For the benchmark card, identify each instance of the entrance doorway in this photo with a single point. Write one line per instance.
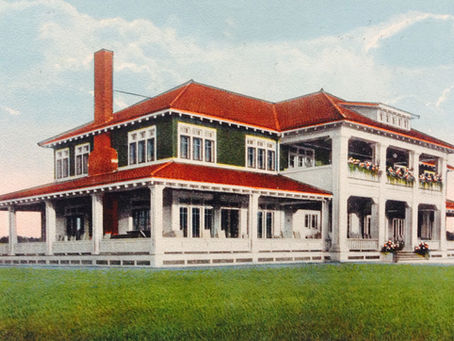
(229, 222)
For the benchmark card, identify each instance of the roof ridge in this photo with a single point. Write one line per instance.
(276, 120)
(183, 90)
(161, 167)
(233, 92)
(334, 104)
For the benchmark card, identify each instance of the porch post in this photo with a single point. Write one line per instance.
(325, 223)
(443, 170)
(340, 194)
(412, 224)
(50, 225)
(381, 212)
(12, 240)
(156, 222)
(252, 215)
(97, 220)
(414, 218)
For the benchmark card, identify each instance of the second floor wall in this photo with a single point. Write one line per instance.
(182, 138)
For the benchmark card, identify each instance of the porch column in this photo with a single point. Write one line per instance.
(414, 204)
(412, 226)
(50, 225)
(252, 215)
(156, 222)
(381, 212)
(12, 239)
(340, 195)
(97, 220)
(325, 223)
(443, 170)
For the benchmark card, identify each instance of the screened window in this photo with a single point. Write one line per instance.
(141, 219)
(142, 146)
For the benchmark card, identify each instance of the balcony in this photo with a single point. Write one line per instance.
(400, 175)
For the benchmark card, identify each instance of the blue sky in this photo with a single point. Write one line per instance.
(396, 52)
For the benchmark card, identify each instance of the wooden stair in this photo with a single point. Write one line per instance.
(406, 256)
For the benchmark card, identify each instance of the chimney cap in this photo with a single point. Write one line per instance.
(106, 50)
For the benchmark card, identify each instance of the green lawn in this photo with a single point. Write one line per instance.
(297, 302)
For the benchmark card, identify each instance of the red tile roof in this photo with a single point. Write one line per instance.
(174, 171)
(312, 109)
(449, 205)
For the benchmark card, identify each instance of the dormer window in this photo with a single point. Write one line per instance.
(260, 153)
(62, 163)
(394, 118)
(81, 155)
(196, 143)
(142, 146)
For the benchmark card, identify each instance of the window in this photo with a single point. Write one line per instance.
(259, 224)
(195, 222)
(82, 152)
(265, 224)
(260, 153)
(184, 220)
(312, 225)
(197, 143)
(197, 149)
(199, 217)
(251, 157)
(62, 163)
(141, 219)
(301, 157)
(142, 146)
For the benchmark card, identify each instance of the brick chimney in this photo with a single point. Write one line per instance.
(103, 158)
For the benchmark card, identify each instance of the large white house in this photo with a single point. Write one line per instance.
(201, 175)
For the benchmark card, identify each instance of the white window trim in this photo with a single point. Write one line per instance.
(149, 133)
(261, 143)
(203, 232)
(196, 131)
(62, 151)
(77, 153)
(394, 119)
(300, 152)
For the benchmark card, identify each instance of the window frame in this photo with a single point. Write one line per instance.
(137, 155)
(204, 135)
(301, 157)
(260, 154)
(64, 155)
(84, 161)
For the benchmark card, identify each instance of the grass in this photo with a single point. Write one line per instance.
(392, 302)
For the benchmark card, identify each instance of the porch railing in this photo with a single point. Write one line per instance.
(79, 246)
(276, 244)
(362, 244)
(129, 245)
(30, 248)
(4, 248)
(450, 245)
(205, 245)
(433, 244)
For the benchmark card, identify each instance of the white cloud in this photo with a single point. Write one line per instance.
(444, 96)
(374, 35)
(10, 111)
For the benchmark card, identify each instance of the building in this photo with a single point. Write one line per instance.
(200, 175)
